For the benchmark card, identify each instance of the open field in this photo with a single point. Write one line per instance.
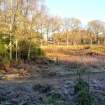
(52, 53)
(90, 56)
(57, 78)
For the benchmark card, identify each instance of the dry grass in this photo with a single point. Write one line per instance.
(93, 56)
(75, 50)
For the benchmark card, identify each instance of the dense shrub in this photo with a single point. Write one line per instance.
(24, 48)
(81, 86)
(6, 61)
(51, 100)
(82, 92)
(2, 50)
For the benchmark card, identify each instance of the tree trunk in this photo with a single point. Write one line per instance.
(98, 42)
(91, 42)
(10, 44)
(67, 40)
(29, 51)
(10, 54)
(16, 50)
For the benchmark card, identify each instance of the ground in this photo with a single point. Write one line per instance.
(49, 81)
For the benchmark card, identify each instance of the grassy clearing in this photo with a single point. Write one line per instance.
(78, 49)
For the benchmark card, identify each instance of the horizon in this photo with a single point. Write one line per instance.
(85, 10)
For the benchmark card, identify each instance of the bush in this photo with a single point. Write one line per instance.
(82, 92)
(52, 101)
(2, 50)
(24, 48)
(84, 98)
(81, 86)
(6, 62)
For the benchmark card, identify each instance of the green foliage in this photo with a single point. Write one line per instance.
(83, 95)
(4, 38)
(6, 61)
(81, 86)
(24, 46)
(2, 49)
(36, 50)
(52, 101)
(84, 98)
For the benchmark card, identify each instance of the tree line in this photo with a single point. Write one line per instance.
(20, 27)
(29, 20)
(73, 33)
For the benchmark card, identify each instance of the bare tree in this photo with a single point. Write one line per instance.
(73, 25)
(96, 27)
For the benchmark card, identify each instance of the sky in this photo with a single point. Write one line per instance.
(85, 10)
